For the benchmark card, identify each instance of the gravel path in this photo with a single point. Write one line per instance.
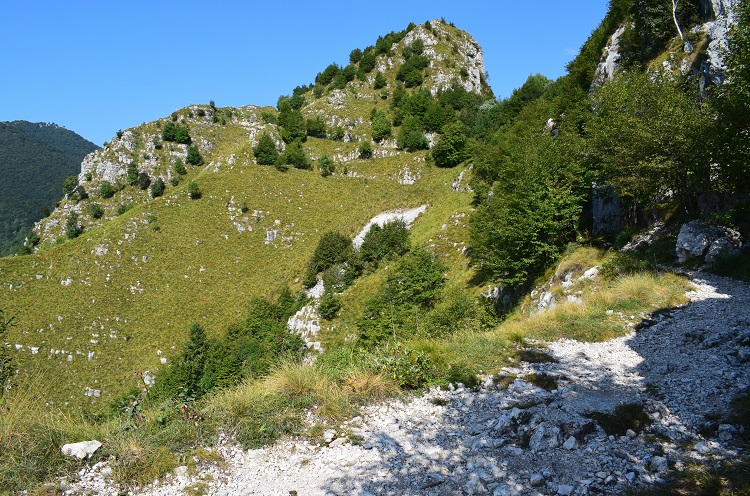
(680, 366)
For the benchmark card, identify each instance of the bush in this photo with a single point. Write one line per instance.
(176, 133)
(329, 305)
(194, 191)
(124, 207)
(365, 150)
(295, 156)
(316, 127)
(96, 211)
(265, 151)
(333, 248)
(143, 181)
(69, 185)
(106, 190)
(132, 173)
(338, 133)
(380, 81)
(326, 166)
(450, 150)
(157, 189)
(72, 228)
(381, 242)
(381, 126)
(179, 167)
(410, 135)
(194, 156)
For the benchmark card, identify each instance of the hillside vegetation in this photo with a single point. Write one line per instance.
(35, 158)
(154, 306)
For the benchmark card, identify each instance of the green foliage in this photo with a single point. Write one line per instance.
(179, 167)
(194, 156)
(337, 134)
(648, 136)
(326, 77)
(380, 81)
(410, 136)
(368, 61)
(410, 72)
(355, 56)
(69, 185)
(35, 159)
(132, 173)
(124, 207)
(7, 360)
(292, 123)
(246, 350)
(451, 148)
(143, 180)
(73, 228)
(365, 150)
(400, 308)
(390, 240)
(316, 127)
(194, 191)
(157, 188)
(332, 249)
(176, 133)
(265, 151)
(326, 166)
(96, 211)
(106, 190)
(329, 305)
(381, 126)
(409, 368)
(296, 156)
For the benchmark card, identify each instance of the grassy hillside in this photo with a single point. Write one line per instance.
(35, 158)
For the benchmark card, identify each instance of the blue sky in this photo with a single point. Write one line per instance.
(99, 66)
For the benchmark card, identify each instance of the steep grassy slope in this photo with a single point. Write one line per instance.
(119, 298)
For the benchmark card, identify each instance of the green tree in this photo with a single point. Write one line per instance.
(143, 181)
(132, 173)
(380, 81)
(390, 240)
(329, 305)
(326, 77)
(106, 190)
(96, 211)
(265, 151)
(296, 156)
(179, 167)
(326, 166)
(355, 56)
(194, 156)
(176, 133)
(73, 228)
(333, 248)
(194, 191)
(381, 126)
(316, 127)
(451, 148)
(69, 185)
(410, 136)
(365, 150)
(157, 188)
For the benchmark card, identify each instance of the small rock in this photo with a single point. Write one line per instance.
(81, 450)
(564, 490)
(658, 464)
(536, 480)
(570, 443)
(631, 433)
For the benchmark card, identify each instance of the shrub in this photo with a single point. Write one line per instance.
(194, 156)
(124, 207)
(355, 56)
(381, 126)
(72, 228)
(176, 133)
(329, 305)
(380, 81)
(450, 150)
(337, 134)
(69, 185)
(410, 135)
(132, 173)
(326, 166)
(157, 189)
(295, 156)
(106, 190)
(316, 127)
(179, 167)
(96, 211)
(365, 150)
(265, 151)
(333, 248)
(194, 191)
(7, 361)
(143, 181)
(392, 239)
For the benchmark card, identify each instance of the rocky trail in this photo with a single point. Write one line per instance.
(511, 437)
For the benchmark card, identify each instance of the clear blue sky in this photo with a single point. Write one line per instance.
(99, 66)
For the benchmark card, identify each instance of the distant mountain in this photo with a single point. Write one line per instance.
(35, 158)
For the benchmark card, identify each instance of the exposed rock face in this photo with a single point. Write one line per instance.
(698, 239)
(610, 60)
